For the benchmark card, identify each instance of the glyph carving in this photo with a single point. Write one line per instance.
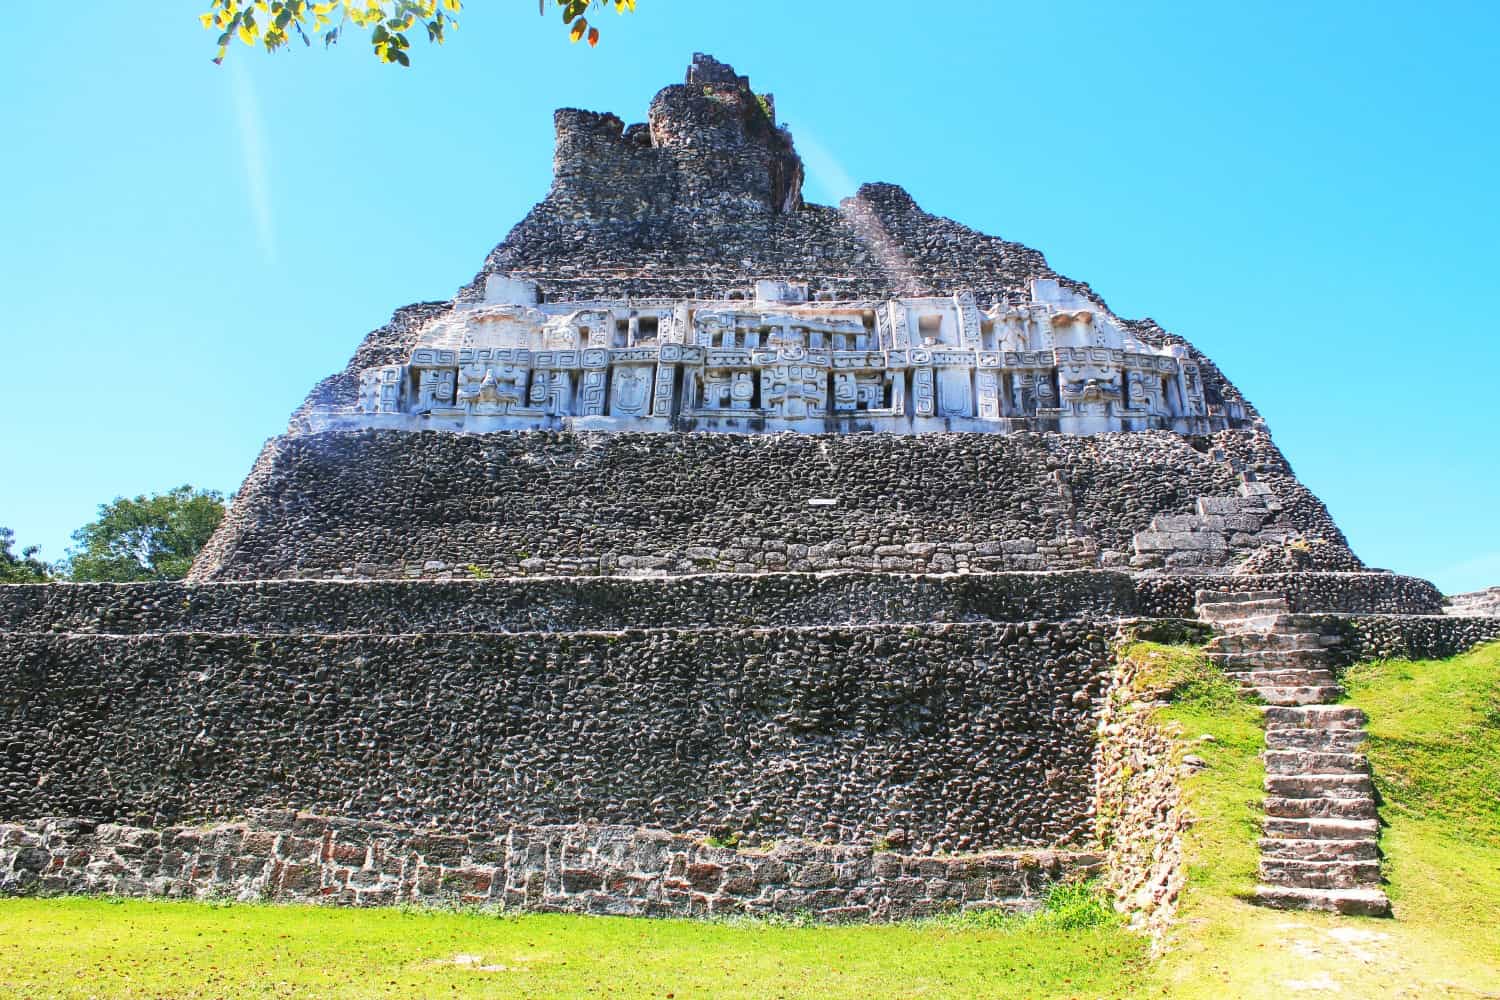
(630, 394)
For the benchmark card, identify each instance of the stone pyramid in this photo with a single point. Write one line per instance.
(674, 281)
(709, 552)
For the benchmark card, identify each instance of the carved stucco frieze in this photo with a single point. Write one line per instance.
(774, 361)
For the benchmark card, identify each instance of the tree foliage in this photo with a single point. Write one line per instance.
(390, 23)
(145, 538)
(578, 25)
(23, 568)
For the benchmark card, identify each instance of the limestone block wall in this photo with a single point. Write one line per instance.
(287, 857)
(943, 737)
(397, 504)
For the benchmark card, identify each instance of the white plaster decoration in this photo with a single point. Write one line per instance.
(502, 289)
(779, 362)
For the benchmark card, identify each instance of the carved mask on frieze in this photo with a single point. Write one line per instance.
(742, 390)
(491, 385)
(435, 387)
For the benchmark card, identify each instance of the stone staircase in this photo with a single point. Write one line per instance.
(1220, 531)
(1320, 844)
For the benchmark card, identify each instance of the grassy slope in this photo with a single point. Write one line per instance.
(1436, 747)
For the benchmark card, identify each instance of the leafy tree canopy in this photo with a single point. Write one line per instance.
(145, 538)
(23, 568)
(274, 23)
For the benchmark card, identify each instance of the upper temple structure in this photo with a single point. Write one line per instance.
(704, 516)
(675, 280)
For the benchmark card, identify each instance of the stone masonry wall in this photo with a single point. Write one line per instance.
(1408, 637)
(394, 504)
(941, 737)
(287, 857)
(1140, 817)
(565, 604)
(1380, 593)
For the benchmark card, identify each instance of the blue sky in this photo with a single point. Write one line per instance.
(1307, 191)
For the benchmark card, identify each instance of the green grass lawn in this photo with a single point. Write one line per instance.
(1435, 742)
(94, 948)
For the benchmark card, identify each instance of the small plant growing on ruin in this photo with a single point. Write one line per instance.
(1072, 906)
(724, 838)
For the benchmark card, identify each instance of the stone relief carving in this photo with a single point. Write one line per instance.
(778, 362)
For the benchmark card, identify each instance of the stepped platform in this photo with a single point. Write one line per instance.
(562, 603)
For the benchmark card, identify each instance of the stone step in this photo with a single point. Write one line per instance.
(1315, 762)
(1303, 695)
(1351, 902)
(1297, 807)
(1229, 506)
(1320, 829)
(1196, 547)
(1279, 623)
(1264, 642)
(1251, 487)
(1331, 740)
(1303, 622)
(1320, 874)
(1254, 625)
(1190, 523)
(1270, 659)
(1316, 717)
(1286, 677)
(1226, 611)
(1283, 622)
(1235, 596)
(1322, 849)
(1325, 786)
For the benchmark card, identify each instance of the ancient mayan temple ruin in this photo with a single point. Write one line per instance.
(713, 552)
